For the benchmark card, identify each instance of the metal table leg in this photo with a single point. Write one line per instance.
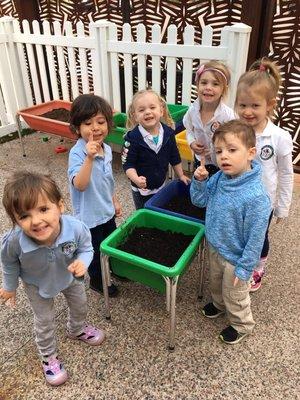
(173, 281)
(201, 262)
(20, 133)
(168, 292)
(105, 282)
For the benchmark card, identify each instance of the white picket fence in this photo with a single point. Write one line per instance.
(63, 64)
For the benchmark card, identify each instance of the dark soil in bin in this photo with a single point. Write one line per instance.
(163, 247)
(182, 204)
(60, 114)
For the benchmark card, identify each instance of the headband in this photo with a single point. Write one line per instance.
(203, 69)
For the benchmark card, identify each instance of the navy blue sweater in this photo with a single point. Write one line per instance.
(153, 166)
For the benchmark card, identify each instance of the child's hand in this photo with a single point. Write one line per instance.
(92, 147)
(236, 281)
(185, 179)
(118, 208)
(201, 172)
(141, 182)
(8, 298)
(199, 148)
(77, 268)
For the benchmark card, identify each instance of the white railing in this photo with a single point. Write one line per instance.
(61, 64)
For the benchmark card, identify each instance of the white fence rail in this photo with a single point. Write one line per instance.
(39, 65)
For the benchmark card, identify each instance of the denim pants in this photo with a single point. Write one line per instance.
(44, 315)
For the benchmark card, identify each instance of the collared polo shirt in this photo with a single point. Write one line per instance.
(43, 266)
(274, 148)
(94, 205)
(196, 130)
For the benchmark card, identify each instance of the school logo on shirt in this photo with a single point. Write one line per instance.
(214, 126)
(69, 248)
(266, 152)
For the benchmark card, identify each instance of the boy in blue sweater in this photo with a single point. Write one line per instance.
(237, 214)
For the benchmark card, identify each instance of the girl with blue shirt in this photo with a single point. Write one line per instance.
(50, 252)
(91, 178)
(237, 215)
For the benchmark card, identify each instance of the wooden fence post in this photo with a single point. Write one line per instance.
(237, 38)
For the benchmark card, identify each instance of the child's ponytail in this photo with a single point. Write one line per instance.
(269, 70)
(264, 75)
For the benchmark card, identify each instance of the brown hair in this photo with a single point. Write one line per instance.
(265, 76)
(238, 128)
(87, 106)
(166, 118)
(22, 189)
(219, 70)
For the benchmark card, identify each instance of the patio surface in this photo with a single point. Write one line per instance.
(134, 363)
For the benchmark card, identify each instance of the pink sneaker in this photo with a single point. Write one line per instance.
(255, 282)
(90, 335)
(54, 371)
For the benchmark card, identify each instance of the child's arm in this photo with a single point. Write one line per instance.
(129, 161)
(117, 205)
(82, 178)
(10, 268)
(140, 181)
(179, 172)
(285, 186)
(256, 221)
(195, 145)
(8, 297)
(84, 252)
(199, 191)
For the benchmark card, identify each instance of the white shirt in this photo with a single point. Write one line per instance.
(274, 148)
(196, 130)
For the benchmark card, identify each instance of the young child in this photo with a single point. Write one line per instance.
(91, 177)
(209, 111)
(237, 214)
(48, 251)
(150, 147)
(255, 102)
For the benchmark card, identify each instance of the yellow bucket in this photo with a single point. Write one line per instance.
(183, 146)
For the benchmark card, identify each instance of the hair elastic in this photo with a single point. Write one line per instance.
(262, 67)
(203, 69)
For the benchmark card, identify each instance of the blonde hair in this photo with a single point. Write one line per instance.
(22, 189)
(219, 70)
(264, 74)
(166, 117)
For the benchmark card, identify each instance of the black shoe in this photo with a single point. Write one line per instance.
(210, 311)
(120, 278)
(230, 335)
(113, 291)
